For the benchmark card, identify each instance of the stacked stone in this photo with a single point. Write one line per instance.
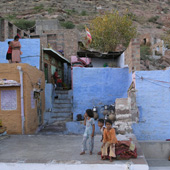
(123, 115)
(134, 108)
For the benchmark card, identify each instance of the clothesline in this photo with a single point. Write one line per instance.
(153, 81)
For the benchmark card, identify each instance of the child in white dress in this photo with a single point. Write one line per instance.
(89, 131)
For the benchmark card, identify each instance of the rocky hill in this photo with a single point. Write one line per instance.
(150, 16)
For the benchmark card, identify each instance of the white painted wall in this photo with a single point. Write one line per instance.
(121, 61)
(53, 166)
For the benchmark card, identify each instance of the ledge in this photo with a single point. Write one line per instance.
(10, 85)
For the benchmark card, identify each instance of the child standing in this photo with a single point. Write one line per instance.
(89, 131)
(109, 141)
(102, 127)
(9, 52)
(59, 81)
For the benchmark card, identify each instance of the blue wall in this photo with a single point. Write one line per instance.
(78, 128)
(153, 99)
(98, 87)
(30, 49)
(49, 96)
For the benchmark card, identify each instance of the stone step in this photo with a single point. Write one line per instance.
(51, 117)
(54, 128)
(66, 115)
(61, 105)
(61, 92)
(62, 96)
(62, 109)
(62, 119)
(62, 101)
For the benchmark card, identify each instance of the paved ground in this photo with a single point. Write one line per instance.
(156, 164)
(62, 149)
(159, 163)
(52, 148)
(159, 168)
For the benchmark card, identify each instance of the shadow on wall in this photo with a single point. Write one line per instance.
(98, 87)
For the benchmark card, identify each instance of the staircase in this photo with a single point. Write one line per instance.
(60, 114)
(62, 106)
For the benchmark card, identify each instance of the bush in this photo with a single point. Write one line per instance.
(165, 10)
(39, 8)
(67, 24)
(132, 16)
(24, 24)
(81, 27)
(153, 19)
(159, 26)
(83, 13)
(166, 38)
(145, 52)
(50, 10)
(71, 11)
(10, 17)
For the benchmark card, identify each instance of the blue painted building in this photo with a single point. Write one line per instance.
(153, 100)
(98, 87)
(30, 49)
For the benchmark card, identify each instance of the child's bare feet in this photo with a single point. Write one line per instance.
(111, 160)
(104, 158)
(99, 153)
(91, 153)
(82, 153)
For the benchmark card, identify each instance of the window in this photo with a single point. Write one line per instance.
(8, 100)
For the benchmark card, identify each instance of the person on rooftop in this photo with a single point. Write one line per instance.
(9, 52)
(16, 50)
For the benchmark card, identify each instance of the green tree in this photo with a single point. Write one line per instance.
(145, 52)
(24, 24)
(110, 30)
(166, 38)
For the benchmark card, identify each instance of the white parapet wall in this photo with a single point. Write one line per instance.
(53, 166)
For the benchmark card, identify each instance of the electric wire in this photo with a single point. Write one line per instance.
(153, 81)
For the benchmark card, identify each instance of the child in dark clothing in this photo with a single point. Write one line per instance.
(59, 81)
(9, 52)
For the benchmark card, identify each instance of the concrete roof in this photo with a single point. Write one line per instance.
(96, 54)
(50, 51)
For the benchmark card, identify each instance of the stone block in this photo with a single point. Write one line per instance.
(122, 111)
(123, 117)
(124, 129)
(123, 123)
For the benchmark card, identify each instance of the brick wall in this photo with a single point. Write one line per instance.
(66, 40)
(12, 118)
(9, 30)
(132, 55)
(146, 39)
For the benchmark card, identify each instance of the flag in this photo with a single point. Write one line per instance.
(18, 35)
(88, 36)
